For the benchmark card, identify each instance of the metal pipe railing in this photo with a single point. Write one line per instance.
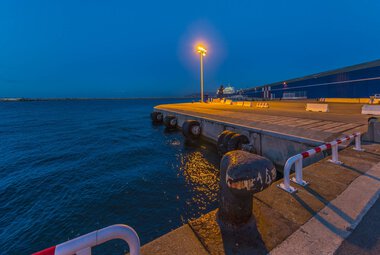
(298, 159)
(82, 244)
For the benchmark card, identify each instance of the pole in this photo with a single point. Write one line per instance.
(201, 78)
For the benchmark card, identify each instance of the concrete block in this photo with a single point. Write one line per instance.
(376, 132)
(371, 109)
(180, 120)
(211, 130)
(279, 150)
(317, 107)
(255, 139)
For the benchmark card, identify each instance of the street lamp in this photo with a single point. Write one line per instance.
(202, 52)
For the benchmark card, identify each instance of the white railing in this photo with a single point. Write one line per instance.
(82, 244)
(297, 160)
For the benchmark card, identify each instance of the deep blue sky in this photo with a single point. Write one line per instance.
(121, 48)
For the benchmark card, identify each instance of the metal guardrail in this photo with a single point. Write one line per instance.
(82, 244)
(297, 160)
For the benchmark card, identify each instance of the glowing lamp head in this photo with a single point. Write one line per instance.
(201, 50)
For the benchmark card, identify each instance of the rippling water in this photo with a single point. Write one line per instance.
(71, 167)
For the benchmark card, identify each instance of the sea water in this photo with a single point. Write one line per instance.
(73, 166)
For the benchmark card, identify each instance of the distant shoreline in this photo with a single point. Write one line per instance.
(86, 99)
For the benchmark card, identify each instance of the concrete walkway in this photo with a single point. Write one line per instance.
(325, 231)
(285, 118)
(313, 221)
(365, 240)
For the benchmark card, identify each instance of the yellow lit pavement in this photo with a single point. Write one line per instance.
(287, 118)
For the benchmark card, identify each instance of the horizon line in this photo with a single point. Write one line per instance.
(87, 98)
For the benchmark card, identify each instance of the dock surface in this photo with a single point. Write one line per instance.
(284, 118)
(316, 220)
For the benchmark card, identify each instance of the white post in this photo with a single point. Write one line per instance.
(298, 169)
(286, 184)
(358, 146)
(335, 159)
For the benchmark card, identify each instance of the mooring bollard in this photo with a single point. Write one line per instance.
(242, 175)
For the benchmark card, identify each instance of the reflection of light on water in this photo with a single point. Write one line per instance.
(202, 178)
(175, 142)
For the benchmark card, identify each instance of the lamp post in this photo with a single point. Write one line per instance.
(202, 52)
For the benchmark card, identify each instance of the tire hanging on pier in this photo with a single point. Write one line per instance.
(191, 129)
(236, 142)
(170, 122)
(229, 141)
(157, 117)
(222, 149)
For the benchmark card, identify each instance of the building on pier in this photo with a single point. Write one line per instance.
(358, 81)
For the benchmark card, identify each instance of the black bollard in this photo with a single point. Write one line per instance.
(242, 174)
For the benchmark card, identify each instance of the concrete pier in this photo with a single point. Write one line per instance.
(278, 132)
(316, 219)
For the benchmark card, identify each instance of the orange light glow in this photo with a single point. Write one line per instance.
(201, 50)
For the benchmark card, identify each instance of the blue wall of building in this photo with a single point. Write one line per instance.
(344, 85)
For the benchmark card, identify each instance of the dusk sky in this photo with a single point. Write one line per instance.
(121, 48)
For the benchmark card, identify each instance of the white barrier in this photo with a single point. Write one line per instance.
(262, 105)
(371, 109)
(317, 107)
(247, 103)
(228, 101)
(297, 160)
(82, 244)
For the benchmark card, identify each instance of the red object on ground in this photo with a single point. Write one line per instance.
(48, 251)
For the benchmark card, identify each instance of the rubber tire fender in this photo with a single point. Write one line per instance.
(170, 121)
(187, 129)
(219, 143)
(222, 147)
(157, 117)
(236, 142)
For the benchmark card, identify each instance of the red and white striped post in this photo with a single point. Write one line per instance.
(82, 244)
(297, 160)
